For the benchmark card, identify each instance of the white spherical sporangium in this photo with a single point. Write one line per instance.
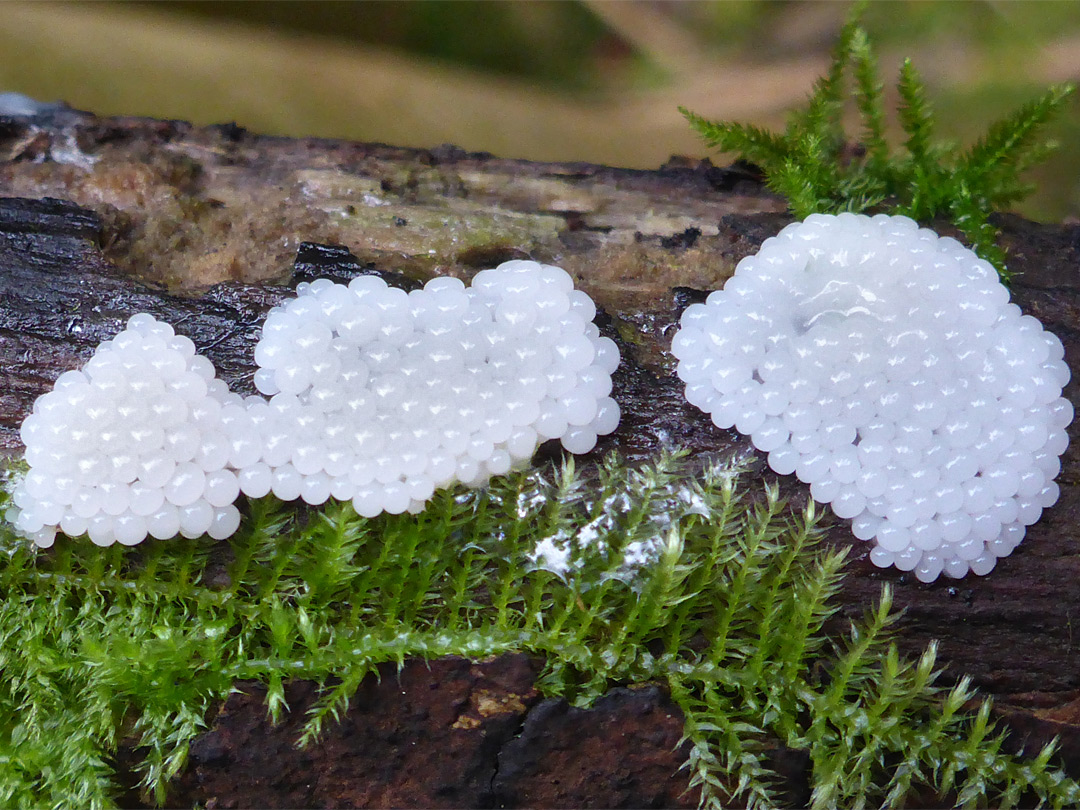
(886, 367)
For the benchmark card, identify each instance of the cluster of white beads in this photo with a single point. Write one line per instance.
(885, 366)
(378, 396)
(143, 440)
(383, 396)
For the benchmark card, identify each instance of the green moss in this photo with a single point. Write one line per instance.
(96, 644)
(820, 170)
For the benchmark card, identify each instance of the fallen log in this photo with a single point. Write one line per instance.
(207, 227)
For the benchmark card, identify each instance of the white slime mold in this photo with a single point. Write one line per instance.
(378, 396)
(885, 366)
(383, 396)
(142, 440)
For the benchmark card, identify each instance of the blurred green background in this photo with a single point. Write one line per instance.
(573, 80)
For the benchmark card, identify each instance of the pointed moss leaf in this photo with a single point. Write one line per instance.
(916, 117)
(1008, 141)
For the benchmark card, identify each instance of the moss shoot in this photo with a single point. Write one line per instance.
(819, 169)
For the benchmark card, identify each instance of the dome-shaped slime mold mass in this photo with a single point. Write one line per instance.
(382, 396)
(885, 366)
(143, 440)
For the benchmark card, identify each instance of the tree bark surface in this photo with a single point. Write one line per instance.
(208, 227)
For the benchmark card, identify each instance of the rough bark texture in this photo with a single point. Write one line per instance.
(207, 227)
(444, 734)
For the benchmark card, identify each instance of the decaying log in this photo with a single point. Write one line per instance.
(207, 227)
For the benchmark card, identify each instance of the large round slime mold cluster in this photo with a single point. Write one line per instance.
(383, 396)
(885, 366)
(142, 440)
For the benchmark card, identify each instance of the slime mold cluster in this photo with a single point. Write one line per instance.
(376, 395)
(886, 367)
(142, 440)
(382, 396)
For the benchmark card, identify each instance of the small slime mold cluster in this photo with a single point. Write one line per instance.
(382, 396)
(142, 440)
(885, 366)
(376, 395)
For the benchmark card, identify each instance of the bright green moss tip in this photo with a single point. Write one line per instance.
(820, 169)
(730, 616)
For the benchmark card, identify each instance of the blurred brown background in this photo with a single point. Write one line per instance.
(573, 80)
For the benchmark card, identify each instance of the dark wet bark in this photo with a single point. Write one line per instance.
(449, 734)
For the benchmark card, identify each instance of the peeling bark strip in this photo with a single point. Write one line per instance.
(214, 214)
